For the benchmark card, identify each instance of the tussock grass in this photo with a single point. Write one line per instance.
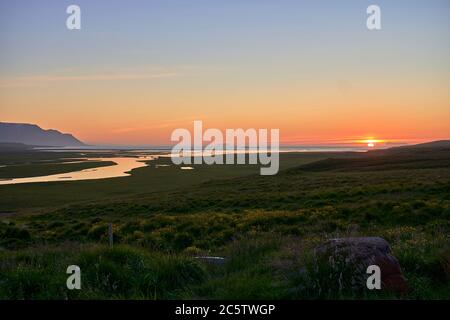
(111, 273)
(266, 227)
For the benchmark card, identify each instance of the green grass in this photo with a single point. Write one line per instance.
(37, 197)
(266, 227)
(121, 272)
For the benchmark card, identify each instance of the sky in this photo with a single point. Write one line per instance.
(137, 70)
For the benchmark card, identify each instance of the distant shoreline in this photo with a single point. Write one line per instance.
(168, 149)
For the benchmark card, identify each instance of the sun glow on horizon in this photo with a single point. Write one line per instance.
(371, 142)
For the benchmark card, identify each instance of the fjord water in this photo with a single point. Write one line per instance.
(121, 168)
(123, 165)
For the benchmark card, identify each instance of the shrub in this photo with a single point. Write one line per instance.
(98, 231)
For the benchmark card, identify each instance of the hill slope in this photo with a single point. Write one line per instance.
(426, 155)
(12, 146)
(31, 134)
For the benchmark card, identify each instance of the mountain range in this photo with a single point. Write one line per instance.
(33, 135)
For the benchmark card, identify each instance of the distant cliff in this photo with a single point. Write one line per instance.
(33, 135)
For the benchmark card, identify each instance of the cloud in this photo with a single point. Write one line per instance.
(43, 80)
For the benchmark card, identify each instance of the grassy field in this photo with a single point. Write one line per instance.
(265, 226)
(36, 197)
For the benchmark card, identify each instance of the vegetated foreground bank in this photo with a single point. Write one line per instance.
(266, 227)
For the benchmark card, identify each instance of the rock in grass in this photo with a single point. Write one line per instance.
(218, 261)
(353, 255)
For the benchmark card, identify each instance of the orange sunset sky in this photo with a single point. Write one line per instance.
(139, 69)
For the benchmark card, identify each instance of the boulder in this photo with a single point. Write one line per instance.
(356, 254)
